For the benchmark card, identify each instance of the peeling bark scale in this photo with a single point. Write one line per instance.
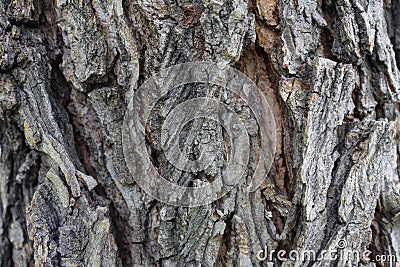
(329, 70)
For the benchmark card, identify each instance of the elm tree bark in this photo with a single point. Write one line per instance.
(68, 68)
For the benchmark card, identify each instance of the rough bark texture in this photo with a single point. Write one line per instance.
(68, 69)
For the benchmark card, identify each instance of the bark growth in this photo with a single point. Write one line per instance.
(329, 69)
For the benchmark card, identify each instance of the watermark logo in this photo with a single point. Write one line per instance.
(341, 244)
(340, 252)
(225, 130)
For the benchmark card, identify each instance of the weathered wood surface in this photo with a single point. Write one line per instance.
(68, 69)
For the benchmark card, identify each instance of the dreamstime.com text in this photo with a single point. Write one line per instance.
(341, 252)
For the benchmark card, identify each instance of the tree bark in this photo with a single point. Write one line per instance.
(328, 69)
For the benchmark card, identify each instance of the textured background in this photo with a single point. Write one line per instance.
(68, 68)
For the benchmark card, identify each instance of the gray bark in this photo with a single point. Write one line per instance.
(68, 69)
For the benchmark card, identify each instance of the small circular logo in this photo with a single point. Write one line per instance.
(341, 244)
(196, 130)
